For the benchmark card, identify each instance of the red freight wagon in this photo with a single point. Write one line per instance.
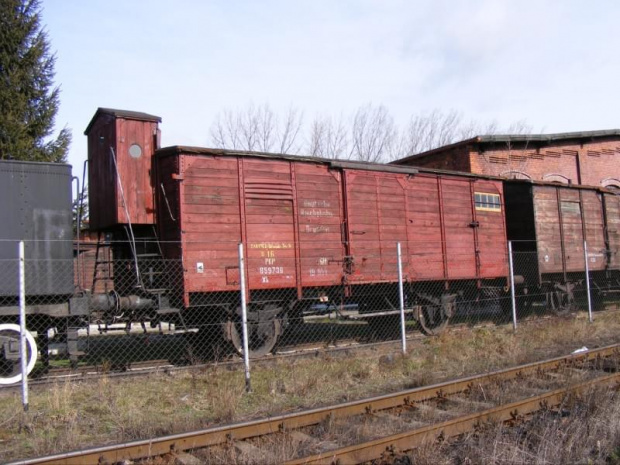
(312, 227)
(313, 230)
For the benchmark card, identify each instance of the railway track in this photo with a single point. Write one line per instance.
(421, 412)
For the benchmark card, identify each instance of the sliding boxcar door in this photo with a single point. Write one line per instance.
(269, 225)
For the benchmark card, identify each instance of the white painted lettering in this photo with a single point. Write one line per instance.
(316, 229)
(318, 212)
(316, 203)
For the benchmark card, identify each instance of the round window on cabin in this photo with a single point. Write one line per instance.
(135, 151)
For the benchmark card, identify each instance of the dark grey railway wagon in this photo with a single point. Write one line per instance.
(35, 206)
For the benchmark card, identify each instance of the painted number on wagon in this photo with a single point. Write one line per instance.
(271, 270)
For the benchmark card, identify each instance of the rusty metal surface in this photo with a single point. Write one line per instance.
(368, 451)
(219, 435)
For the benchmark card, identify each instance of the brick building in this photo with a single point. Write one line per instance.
(589, 158)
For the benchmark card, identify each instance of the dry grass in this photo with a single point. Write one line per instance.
(71, 415)
(586, 431)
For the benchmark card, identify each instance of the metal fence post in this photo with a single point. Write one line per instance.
(401, 299)
(244, 319)
(512, 287)
(23, 352)
(585, 256)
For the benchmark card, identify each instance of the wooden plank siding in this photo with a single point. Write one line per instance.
(298, 220)
(210, 222)
(433, 219)
(564, 217)
(491, 232)
(320, 221)
(593, 217)
(612, 217)
(109, 205)
(269, 223)
(291, 230)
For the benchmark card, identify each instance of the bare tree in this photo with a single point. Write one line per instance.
(519, 127)
(436, 129)
(257, 128)
(225, 131)
(473, 128)
(328, 138)
(290, 130)
(428, 131)
(372, 134)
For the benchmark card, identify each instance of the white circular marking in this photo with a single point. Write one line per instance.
(33, 353)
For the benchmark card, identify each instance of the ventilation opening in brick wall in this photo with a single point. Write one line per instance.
(500, 160)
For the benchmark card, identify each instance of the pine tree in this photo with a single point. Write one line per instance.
(28, 100)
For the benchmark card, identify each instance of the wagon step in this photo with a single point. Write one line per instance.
(173, 311)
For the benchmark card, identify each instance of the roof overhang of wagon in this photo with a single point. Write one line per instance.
(188, 150)
(332, 163)
(125, 114)
(339, 164)
(558, 184)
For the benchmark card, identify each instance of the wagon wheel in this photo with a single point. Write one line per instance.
(10, 367)
(497, 296)
(262, 336)
(433, 319)
(560, 302)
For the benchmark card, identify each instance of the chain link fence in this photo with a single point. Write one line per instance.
(120, 306)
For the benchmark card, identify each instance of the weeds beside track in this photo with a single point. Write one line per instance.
(408, 399)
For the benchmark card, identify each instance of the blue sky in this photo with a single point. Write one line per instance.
(554, 64)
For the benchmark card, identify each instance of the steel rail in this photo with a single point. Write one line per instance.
(408, 440)
(219, 435)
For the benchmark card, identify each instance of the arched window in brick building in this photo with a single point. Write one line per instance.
(611, 183)
(514, 174)
(556, 177)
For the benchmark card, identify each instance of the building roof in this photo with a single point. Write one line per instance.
(517, 138)
(125, 114)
